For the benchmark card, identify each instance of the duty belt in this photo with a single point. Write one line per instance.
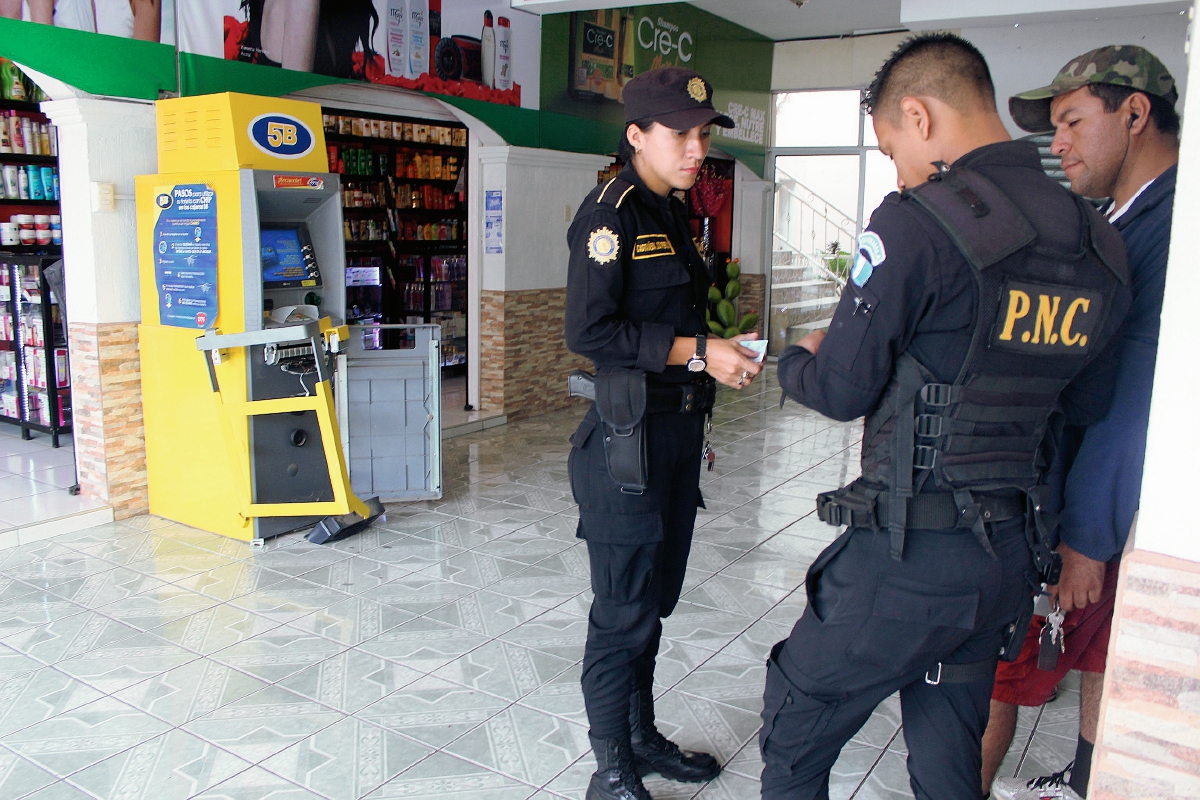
(685, 398)
(930, 510)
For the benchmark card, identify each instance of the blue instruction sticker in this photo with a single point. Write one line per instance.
(185, 256)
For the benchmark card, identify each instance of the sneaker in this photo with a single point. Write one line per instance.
(1047, 787)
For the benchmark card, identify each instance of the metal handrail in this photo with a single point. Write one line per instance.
(813, 263)
(823, 214)
(788, 176)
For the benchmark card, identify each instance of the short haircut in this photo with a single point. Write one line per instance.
(939, 65)
(1164, 115)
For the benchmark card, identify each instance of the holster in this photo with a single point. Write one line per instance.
(1014, 636)
(620, 396)
(1039, 525)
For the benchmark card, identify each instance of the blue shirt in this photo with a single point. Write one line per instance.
(1104, 480)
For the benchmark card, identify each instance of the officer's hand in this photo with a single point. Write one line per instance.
(812, 342)
(730, 363)
(1081, 582)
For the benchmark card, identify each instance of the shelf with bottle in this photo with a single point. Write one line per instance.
(392, 228)
(407, 131)
(382, 161)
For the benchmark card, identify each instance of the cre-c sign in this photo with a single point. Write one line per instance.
(664, 37)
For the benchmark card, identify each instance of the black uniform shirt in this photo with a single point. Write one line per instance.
(920, 297)
(635, 280)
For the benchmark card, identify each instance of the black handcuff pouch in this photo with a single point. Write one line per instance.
(621, 402)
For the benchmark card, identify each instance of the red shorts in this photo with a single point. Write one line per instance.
(1086, 633)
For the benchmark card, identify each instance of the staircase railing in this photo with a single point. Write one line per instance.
(814, 263)
(801, 210)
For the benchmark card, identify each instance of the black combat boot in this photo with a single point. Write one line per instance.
(615, 777)
(656, 753)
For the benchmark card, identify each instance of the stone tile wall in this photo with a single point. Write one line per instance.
(1149, 742)
(107, 410)
(753, 298)
(524, 360)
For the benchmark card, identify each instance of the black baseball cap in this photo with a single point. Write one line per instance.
(676, 97)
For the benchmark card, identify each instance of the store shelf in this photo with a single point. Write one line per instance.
(21, 105)
(28, 158)
(452, 212)
(458, 246)
(381, 178)
(373, 140)
(31, 249)
(39, 203)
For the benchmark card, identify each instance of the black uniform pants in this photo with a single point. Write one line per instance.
(873, 626)
(638, 548)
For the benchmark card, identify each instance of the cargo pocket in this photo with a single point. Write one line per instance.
(910, 621)
(622, 551)
(823, 560)
(792, 720)
(579, 440)
(851, 320)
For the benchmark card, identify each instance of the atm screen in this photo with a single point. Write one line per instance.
(287, 258)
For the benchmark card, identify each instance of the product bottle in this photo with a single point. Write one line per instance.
(397, 37)
(418, 38)
(44, 130)
(487, 50)
(504, 79)
(14, 132)
(22, 184)
(5, 139)
(37, 189)
(27, 135)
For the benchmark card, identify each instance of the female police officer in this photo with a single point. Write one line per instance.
(636, 294)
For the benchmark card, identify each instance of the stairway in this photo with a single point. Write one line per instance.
(803, 297)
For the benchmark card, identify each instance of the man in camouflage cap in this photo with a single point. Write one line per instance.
(1112, 111)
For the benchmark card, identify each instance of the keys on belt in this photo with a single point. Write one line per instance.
(1052, 642)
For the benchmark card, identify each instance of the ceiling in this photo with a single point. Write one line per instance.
(781, 19)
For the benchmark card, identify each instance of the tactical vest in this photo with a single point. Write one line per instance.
(973, 447)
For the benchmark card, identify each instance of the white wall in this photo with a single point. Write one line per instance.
(1030, 55)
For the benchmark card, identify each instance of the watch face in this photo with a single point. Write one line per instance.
(696, 365)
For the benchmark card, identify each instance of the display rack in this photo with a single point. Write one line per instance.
(35, 391)
(404, 207)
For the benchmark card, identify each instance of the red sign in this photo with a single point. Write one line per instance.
(298, 182)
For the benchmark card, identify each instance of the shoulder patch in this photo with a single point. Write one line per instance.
(604, 245)
(871, 254)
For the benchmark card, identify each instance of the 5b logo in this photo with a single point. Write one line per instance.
(281, 135)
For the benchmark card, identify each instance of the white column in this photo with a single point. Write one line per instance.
(102, 141)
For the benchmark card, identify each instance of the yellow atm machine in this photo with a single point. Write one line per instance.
(241, 246)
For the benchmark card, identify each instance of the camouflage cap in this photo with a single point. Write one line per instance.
(1119, 65)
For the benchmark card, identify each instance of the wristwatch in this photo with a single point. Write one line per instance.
(697, 362)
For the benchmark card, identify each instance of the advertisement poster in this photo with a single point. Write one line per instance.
(462, 48)
(148, 20)
(493, 221)
(589, 56)
(185, 256)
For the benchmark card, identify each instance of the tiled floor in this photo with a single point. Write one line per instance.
(434, 655)
(33, 486)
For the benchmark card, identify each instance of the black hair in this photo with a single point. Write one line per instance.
(1164, 115)
(341, 27)
(938, 64)
(624, 148)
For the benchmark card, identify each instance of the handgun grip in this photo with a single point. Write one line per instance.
(581, 384)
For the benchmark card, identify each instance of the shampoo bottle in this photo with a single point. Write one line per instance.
(397, 37)
(503, 77)
(418, 38)
(487, 50)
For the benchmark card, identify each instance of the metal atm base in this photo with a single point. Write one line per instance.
(332, 528)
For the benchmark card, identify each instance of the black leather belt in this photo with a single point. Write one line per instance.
(930, 511)
(684, 398)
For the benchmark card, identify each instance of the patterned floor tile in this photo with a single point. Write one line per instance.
(40, 695)
(69, 637)
(346, 760)
(297, 558)
(729, 680)
(417, 593)
(157, 606)
(423, 644)
(350, 681)
(433, 711)
(353, 621)
(473, 569)
(410, 521)
(257, 784)
(83, 736)
(561, 696)
(461, 533)
(59, 791)
(525, 545)
(33, 609)
(122, 664)
(14, 664)
(232, 580)
(545, 587)
(729, 786)
(174, 766)
(190, 691)
(216, 628)
(288, 600)
(524, 744)
(503, 669)
(180, 564)
(356, 574)
(19, 777)
(726, 593)
(278, 653)
(676, 660)
(555, 632)
(702, 626)
(695, 723)
(264, 723)
(442, 775)
(106, 587)
(57, 566)
(486, 613)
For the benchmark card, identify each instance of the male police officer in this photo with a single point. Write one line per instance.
(982, 297)
(636, 294)
(1116, 130)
